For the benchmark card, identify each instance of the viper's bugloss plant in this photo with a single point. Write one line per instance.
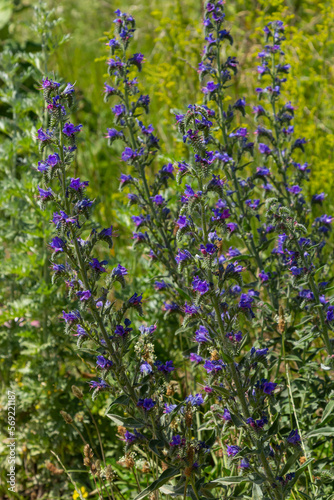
(242, 265)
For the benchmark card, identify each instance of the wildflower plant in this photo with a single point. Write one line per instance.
(242, 263)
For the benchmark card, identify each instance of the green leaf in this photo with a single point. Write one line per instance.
(6, 10)
(236, 420)
(257, 492)
(126, 422)
(328, 411)
(290, 462)
(273, 428)
(165, 476)
(223, 391)
(122, 400)
(154, 444)
(322, 431)
(228, 480)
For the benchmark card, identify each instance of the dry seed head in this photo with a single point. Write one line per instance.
(187, 471)
(170, 390)
(174, 424)
(109, 473)
(145, 468)
(53, 469)
(77, 392)
(281, 320)
(121, 430)
(190, 454)
(188, 418)
(79, 417)
(68, 419)
(214, 355)
(88, 453)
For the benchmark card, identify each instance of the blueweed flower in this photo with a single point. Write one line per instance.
(232, 450)
(57, 244)
(99, 385)
(200, 286)
(293, 437)
(72, 316)
(202, 335)
(98, 266)
(147, 404)
(146, 368)
(84, 295)
(103, 363)
(196, 400)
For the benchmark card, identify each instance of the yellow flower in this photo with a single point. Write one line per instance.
(83, 493)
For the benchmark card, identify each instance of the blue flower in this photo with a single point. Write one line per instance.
(147, 404)
(196, 400)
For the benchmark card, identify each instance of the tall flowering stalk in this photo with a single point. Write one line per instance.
(217, 299)
(141, 145)
(232, 418)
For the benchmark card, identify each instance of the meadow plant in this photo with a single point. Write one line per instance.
(243, 264)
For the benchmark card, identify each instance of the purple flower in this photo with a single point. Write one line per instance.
(158, 199)
(146, 368)
(77, 185)
(71, 317)
(137, 60)
(103, 362)
(169, 408)
(195, 357)
(195, 400)
(147, 404)
(294, 189)
(45, 194)
(130, 438)
(330, 313)
(81, 332)
(84, 295)
(209, 249)
(69, 89)
(232, 450)
(119, 270)
(177, 441)
(318, 198)
(202, 335)
(49, 84)
(210, 87)
(43, 136)
(106, 232)
(265, 386)
(200, 286)
(264, 276)
(69, 129)
(182, 255)
(129, 154)
(57, 244)
(99, 385)
(293, 437)
(182, 222)
(98, 266)
(244, 464)
(119, 110)
(136, 299)
(166, 368)
(213, 366)
(264, 149)
(226, 415)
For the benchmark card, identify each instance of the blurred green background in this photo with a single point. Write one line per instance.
(170, 36)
